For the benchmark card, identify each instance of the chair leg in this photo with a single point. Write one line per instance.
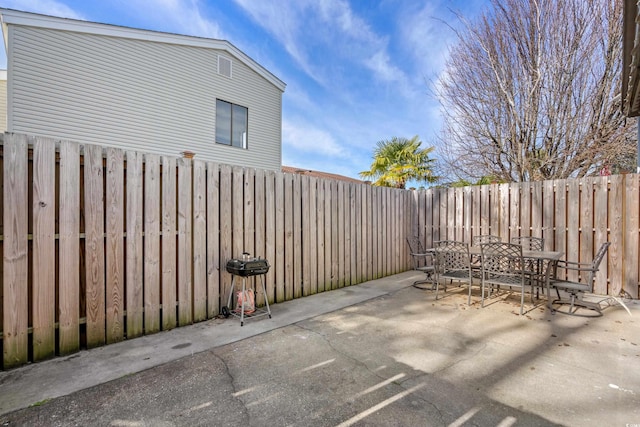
(575, 301)
(430, 279)
(531, 283)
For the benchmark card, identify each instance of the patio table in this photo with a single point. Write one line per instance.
(533, 255)
(538, 256)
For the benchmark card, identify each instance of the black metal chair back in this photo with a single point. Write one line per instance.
(504, 266)
(415, 246)
(484, 238)
(453, 263)
(422, 261)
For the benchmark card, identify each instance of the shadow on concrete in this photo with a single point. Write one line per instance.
(397, 357)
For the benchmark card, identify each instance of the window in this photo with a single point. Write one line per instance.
(231, 124)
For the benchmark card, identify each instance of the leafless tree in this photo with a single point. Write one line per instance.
(531, 91)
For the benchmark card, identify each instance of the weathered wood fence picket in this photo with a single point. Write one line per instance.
(100, 244)
(574, 216)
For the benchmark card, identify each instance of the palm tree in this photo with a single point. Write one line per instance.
(399, 160)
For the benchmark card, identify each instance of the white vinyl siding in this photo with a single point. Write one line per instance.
(3, 101)
(137, 94)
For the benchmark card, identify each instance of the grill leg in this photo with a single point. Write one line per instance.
(264, 292)
(233, 287)
(244, 280)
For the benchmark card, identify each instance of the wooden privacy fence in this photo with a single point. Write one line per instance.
(100, 244)
(574, 216)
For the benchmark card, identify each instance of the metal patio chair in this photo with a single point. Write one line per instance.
(453, 262)
(503, 266)
(575, 289)
(536, 268)
(477, 241)
(422, 260)
(484, 238)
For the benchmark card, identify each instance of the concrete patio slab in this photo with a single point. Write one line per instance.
(379, 353)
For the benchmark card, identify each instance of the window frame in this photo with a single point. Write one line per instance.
(230, 123)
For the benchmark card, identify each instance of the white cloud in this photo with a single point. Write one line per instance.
(179, 16)
(430, 29)
(45, 7)
(299, 98)
(189, 18)
(305, 137)
(383, 67)
(339, 13)
(283, 20)
(424, 36)
(331, 27)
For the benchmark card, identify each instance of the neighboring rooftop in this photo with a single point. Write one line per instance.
(318, 174)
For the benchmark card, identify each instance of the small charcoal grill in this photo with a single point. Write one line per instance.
(248, 266)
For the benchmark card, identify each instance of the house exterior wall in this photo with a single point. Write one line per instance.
(3, 100)
(137, 94)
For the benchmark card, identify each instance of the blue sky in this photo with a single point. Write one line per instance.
(357, 71)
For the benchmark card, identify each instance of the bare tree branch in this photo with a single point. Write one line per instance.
(531, 91)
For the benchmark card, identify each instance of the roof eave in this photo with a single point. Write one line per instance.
(16, 17)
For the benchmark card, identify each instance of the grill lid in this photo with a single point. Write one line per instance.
(248, 266)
